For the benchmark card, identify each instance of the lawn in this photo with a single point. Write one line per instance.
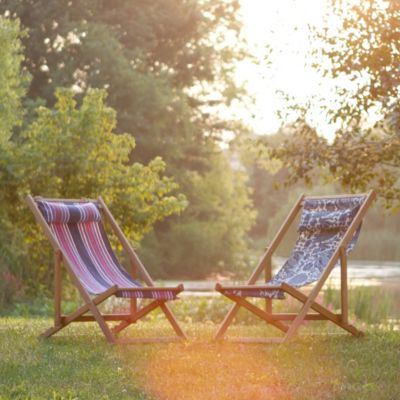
(78, 364)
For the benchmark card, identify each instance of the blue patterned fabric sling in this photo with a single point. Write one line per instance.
(322, 226)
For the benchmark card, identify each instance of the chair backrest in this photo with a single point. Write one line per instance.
(79, 231)
(323, 224)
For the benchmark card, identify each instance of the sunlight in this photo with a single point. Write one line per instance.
(208, 371)
(278, 35)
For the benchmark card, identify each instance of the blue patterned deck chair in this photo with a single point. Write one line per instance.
(328, 230)
(76, 231)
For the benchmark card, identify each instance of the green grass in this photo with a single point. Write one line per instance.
(78, 364)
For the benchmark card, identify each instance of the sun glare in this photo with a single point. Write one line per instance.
(207, 371)
(278, 36)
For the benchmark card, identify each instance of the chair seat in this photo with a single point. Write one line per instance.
(263, 291)
(156, 293)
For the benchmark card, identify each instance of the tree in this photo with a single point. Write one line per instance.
(65, 151)
(159, 61)
(12, 87)
(13, 80)
(358, 48)
(71, 152)
(209, 236)
(168, 66)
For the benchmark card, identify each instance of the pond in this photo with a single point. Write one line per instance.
(360, 273)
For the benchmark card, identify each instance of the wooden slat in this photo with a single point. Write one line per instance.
(86, 307)
(343, 286)
(314, 305)
(67, 319)
(57, 287)
(172, 320)
(139, 314)
(83, 200)
(222, 288)
(335, 318)
(260, 313)
(42, 222)
(336, 196)
(268, 277)
(276, 240)
(133, 302)
(107, 317)
(125, 244)
(292, 316)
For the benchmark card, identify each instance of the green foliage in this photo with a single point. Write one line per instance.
(356, 51)
(209, 236)
(162, 63)
(12, 88)
(373, 305)
(359, 42)
(359, 160)
(71, 152)
(12, 80)
(146, 53)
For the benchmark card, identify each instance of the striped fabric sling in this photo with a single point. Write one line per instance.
(80, 232)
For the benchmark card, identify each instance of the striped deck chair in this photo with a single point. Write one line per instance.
(328, 230)
(76, 231)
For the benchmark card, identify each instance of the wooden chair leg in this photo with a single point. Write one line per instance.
(144, 311)
(343, 286)
(102, 323)
(88, 306)
(323, 311)
(57, 288)
(268, 277)
(227, 321)
(139, 314)
(260, 313)
(172, 320)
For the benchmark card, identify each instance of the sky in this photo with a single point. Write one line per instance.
(284, 26)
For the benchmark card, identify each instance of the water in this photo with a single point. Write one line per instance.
(360, 273)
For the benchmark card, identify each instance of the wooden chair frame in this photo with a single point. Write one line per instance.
(321, 312)
(90, 304)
